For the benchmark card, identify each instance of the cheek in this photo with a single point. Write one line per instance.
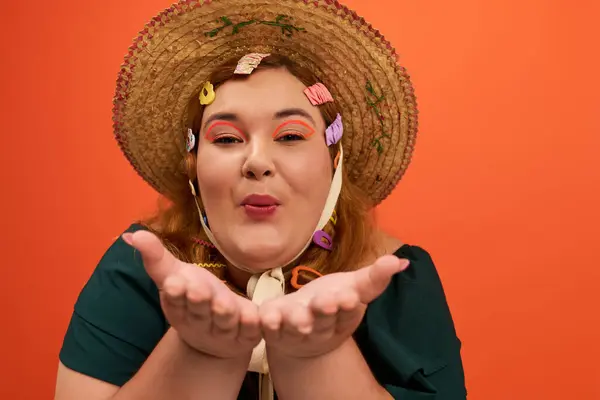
(216, 174)
(309, 175)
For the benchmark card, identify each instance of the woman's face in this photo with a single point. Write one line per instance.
(264, 170)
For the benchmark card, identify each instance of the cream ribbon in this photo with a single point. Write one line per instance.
(261, 288)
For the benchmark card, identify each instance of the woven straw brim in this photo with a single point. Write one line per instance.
(174, 55)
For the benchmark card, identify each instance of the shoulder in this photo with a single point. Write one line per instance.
(120, 295)
(422, 266)
(117, 319)
(119, 253)
(409, 329)
(119, 262)
(415, 304)
(383, 243)
(386, 243)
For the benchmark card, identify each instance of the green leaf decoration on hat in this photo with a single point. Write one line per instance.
(281, 21)
(374, 104)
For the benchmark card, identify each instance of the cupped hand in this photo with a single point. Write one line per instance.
(206, 314)
(323, 314)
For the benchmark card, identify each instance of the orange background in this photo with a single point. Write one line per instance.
(503, 190)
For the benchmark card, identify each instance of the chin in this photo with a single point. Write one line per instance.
(261, 249)
(260, 255)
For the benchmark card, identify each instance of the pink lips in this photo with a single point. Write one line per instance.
(260, 206)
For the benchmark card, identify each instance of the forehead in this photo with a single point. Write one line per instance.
(263, 93)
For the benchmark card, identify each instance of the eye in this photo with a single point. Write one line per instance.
(226, 140)
(292, 131)
(290, 136)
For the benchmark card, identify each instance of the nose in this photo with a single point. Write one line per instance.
(259, 163)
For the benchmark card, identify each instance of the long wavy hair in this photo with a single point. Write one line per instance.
(177, 221)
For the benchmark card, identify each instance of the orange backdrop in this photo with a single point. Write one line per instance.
(503, 190)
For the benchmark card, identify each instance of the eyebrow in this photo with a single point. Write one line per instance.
(287, 112)
(224, 116)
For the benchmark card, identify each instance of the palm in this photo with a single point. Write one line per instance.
(206, 314)
(324, 313)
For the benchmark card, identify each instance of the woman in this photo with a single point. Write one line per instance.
(273, 129)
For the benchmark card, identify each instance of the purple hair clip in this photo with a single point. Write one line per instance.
(334, 132)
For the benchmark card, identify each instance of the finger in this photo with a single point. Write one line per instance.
(158, 261)
(324, 308)
(249, 324)
(371, 281)
(297, 321)
(225, 314)
(174, 290)
(270, 317)
(173, 299)
(351, 309)
(198, 299)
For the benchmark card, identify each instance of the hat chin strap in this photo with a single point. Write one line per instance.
(334, 193)
(270, 284)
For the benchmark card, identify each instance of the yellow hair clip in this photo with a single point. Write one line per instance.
(211, 265)
(333, 218)
(207, 94)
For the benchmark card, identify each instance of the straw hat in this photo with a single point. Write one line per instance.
(179, 48)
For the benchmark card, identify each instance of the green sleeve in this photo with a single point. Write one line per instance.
(408, 337)
(117, 320)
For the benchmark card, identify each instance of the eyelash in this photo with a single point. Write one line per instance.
(226, 139)
(294, 135)
(286, 137)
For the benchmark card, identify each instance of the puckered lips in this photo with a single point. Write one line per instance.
(260, 206)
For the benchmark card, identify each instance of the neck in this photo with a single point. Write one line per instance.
(237, 277)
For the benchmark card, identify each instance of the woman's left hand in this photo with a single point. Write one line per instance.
(323, 314)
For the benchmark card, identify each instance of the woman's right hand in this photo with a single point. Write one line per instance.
(206, 314)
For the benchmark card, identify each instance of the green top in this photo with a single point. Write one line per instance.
(407, 335)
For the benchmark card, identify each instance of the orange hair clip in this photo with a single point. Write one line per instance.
(296, 272)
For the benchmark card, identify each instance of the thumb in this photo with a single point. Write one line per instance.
(371, 281)
(158, 261)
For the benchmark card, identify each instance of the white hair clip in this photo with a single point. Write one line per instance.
(190, 141)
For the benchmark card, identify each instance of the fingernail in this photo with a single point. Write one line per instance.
(305, 330)
(127, 238)
(404, 264)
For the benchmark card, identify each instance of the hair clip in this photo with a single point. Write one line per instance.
(334, 132)
(322, 239)
(207, 94)
(190, 142)
(333, 217)
(249, 62)
(336, 159)
(205, 219)
(296, 274)
(211, 265)
(203, 243)
(318, 94)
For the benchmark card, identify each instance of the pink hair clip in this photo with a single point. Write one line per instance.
(318, 94)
